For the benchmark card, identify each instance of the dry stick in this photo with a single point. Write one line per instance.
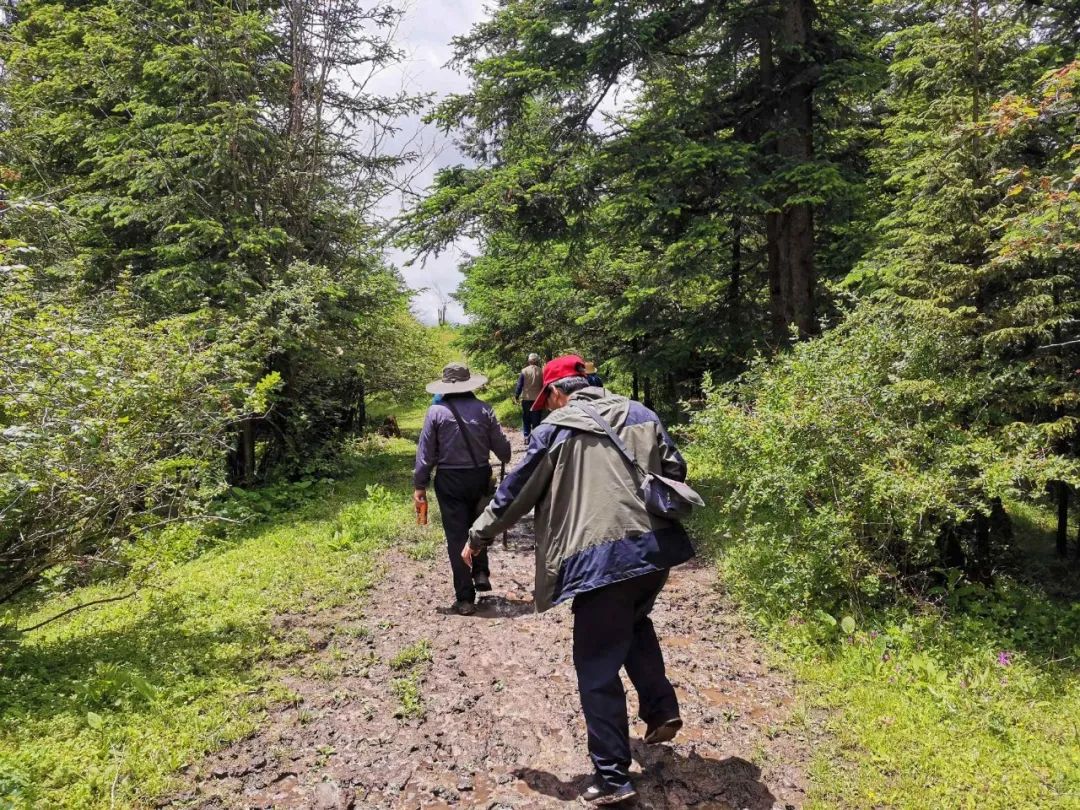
(77, 607)
(502, 477)
(1058, 345)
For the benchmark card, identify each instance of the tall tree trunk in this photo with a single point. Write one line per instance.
(297, 14)
(981, 564)
(242, 457)
(790, 227)
(1077, 550)
(734, 291)
(361, 409)
(1062, 518)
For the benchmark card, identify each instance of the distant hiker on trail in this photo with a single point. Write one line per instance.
(529, 383)
(460, 432)
(596, 543)
(592, 376)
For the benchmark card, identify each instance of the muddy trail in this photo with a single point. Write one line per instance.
(484, 713)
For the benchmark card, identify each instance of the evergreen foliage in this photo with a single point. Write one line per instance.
(194, 293)
(904, 175)
(856, 469)
(651, 173)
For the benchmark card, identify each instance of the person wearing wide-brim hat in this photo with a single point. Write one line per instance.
(460, 434)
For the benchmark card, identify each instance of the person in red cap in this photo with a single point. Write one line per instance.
(598, 545)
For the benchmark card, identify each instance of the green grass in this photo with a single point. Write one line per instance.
(970, 703)
(427, 548)
(499, 392)
(409, 414)
(411, 661)
(102, 708)
(409, 695)
(412, 656)
(446, 339)
(925, 716)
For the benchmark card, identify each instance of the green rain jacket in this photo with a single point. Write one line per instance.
(592, 528)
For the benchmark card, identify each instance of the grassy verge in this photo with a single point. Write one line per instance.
(925, 719)
(102, 708)
(972, 702)
(499, 392)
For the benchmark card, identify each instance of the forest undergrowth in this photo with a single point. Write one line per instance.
(107, 706)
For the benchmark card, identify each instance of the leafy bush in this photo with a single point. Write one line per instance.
(865, 461)
(102, 708)
(115, 423)
(332, 338)
(108, 426)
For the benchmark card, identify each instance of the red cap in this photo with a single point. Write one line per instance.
(569, 365)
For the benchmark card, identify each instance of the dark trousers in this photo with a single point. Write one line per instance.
(612, 630)
(529, 417)
(462, 494)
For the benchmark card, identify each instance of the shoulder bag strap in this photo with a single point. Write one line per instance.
(619, 443)
(464, 431)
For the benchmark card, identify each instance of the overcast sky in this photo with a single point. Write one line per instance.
(425, 36)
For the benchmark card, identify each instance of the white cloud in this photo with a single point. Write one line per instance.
(425, 35)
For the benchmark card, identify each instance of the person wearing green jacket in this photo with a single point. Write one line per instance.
(596, 544)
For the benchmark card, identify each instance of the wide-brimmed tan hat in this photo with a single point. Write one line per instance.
(590, 368)
(456, 379)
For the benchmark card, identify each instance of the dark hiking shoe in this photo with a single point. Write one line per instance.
(482, 582)
(464, 608)
(663, 732)
(598, 793)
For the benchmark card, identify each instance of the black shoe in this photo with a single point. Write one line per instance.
(598, 793)
(663, 731)
(482, 582)
(464, 608)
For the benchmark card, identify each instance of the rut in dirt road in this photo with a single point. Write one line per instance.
(501, 724)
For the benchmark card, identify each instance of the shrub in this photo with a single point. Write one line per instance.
(862, 462)
(107, 427)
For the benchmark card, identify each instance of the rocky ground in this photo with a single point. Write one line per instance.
(485, 713)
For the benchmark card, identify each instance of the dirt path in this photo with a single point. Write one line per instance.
(501, 724)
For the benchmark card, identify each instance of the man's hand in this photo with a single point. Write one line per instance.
(419, 496)
(467, 555)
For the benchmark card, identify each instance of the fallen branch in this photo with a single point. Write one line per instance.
(64, 613)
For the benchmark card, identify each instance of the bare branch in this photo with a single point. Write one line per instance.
(71, 610)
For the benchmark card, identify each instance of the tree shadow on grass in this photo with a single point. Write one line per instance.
(672, 780)
(390, 466)
(167, 639)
